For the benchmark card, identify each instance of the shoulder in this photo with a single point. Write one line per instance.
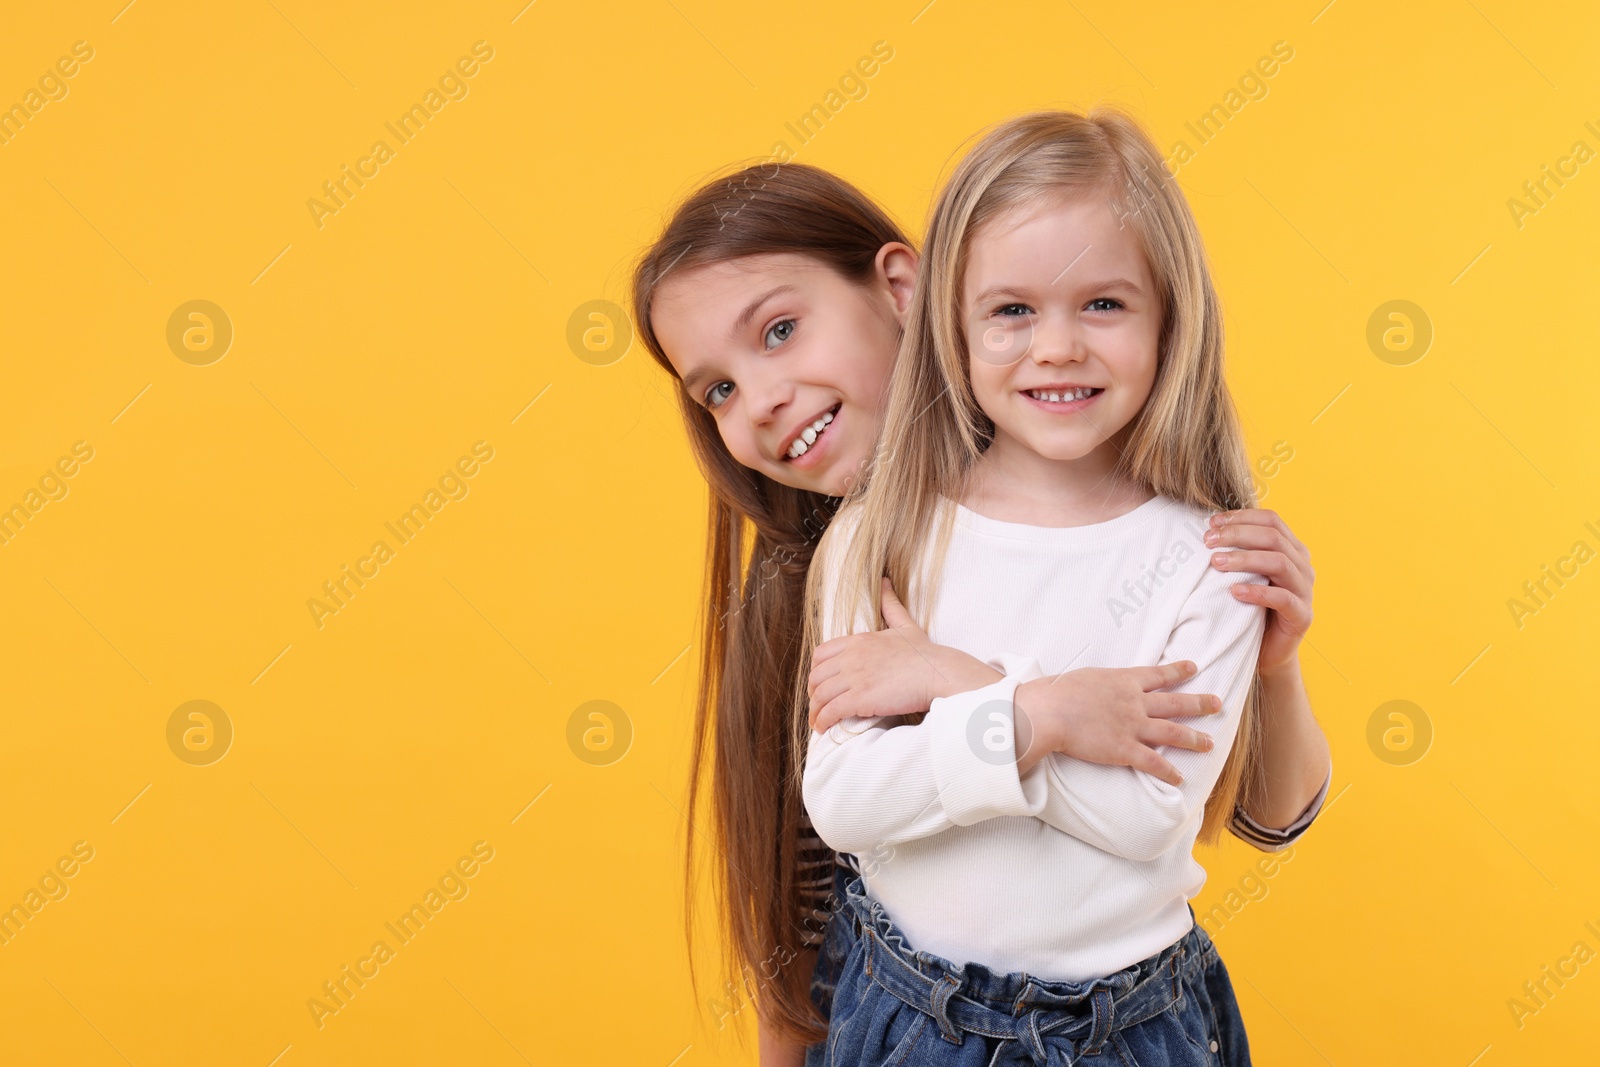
(1177, 532)
(827, 592)
(846, 521)
(840, 532)
(1163, 534)
(1177, 517)
(1210, 594)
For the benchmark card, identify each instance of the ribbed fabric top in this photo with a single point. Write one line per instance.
(818, 860)
(1074, 870)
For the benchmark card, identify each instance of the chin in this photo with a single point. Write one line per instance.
(811, 483)
(1058, 448)
(831, 486)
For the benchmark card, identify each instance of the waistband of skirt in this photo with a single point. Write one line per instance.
(974, 999)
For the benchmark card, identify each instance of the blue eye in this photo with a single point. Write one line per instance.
(714, 398)
(784, 328)
(1115, 304)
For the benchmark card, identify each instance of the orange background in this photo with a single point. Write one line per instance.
(431, 311)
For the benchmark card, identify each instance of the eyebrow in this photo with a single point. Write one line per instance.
(693, 378)
(740, 324)
(1022, 291)
(743, 321)
(994, 291)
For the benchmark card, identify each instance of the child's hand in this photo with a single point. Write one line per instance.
(1111, 716)
(896, 671)
(1279, 556)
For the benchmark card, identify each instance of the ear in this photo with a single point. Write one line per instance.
(896, 265)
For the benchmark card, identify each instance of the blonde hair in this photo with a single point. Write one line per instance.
(1185, 443)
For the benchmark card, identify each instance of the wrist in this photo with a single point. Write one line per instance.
(1036, 733)
(956, 672)
(1285, 674)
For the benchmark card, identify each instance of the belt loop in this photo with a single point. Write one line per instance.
(1102, 1020)
(947, 984)
(1033, 1040)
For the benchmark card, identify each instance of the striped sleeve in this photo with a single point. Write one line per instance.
(815, 877)
(1269, 839)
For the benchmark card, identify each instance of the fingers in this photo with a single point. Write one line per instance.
(1274, 566)
(1170, 733)
(1244, 535)
(823, 717)
(1267, 540)
(1258, 519)
(833, 646)
(1293, 612)
(895, 614)
(1181, 705)
(827, 712)
(820, 674)
(1165, 674)
(826, 691)
(832, 712)
(828, 649)
(1151, 762)
(1292, 570)
(1285, 574)
(1250, 517)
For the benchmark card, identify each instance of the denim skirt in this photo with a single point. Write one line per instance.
(888, 1003)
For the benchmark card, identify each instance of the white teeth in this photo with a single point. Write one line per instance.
(809, 435)
(1058, 397)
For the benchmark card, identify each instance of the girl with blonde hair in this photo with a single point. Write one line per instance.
(1058, 433)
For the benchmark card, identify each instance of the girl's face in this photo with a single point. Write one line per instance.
(791, 358)
(1062, 320)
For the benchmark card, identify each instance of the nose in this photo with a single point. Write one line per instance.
(1057, 340)
(766, 394)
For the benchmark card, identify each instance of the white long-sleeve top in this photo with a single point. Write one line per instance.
(1074, 870)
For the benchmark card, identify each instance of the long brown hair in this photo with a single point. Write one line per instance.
(1185, 443)
(761, 538)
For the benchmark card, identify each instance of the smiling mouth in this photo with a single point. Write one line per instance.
(1063, 396)
(812, 433)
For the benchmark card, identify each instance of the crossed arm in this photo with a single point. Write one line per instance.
(1114, 717)
(870, 782)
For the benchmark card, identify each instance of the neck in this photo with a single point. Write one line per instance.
(1012, 482)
